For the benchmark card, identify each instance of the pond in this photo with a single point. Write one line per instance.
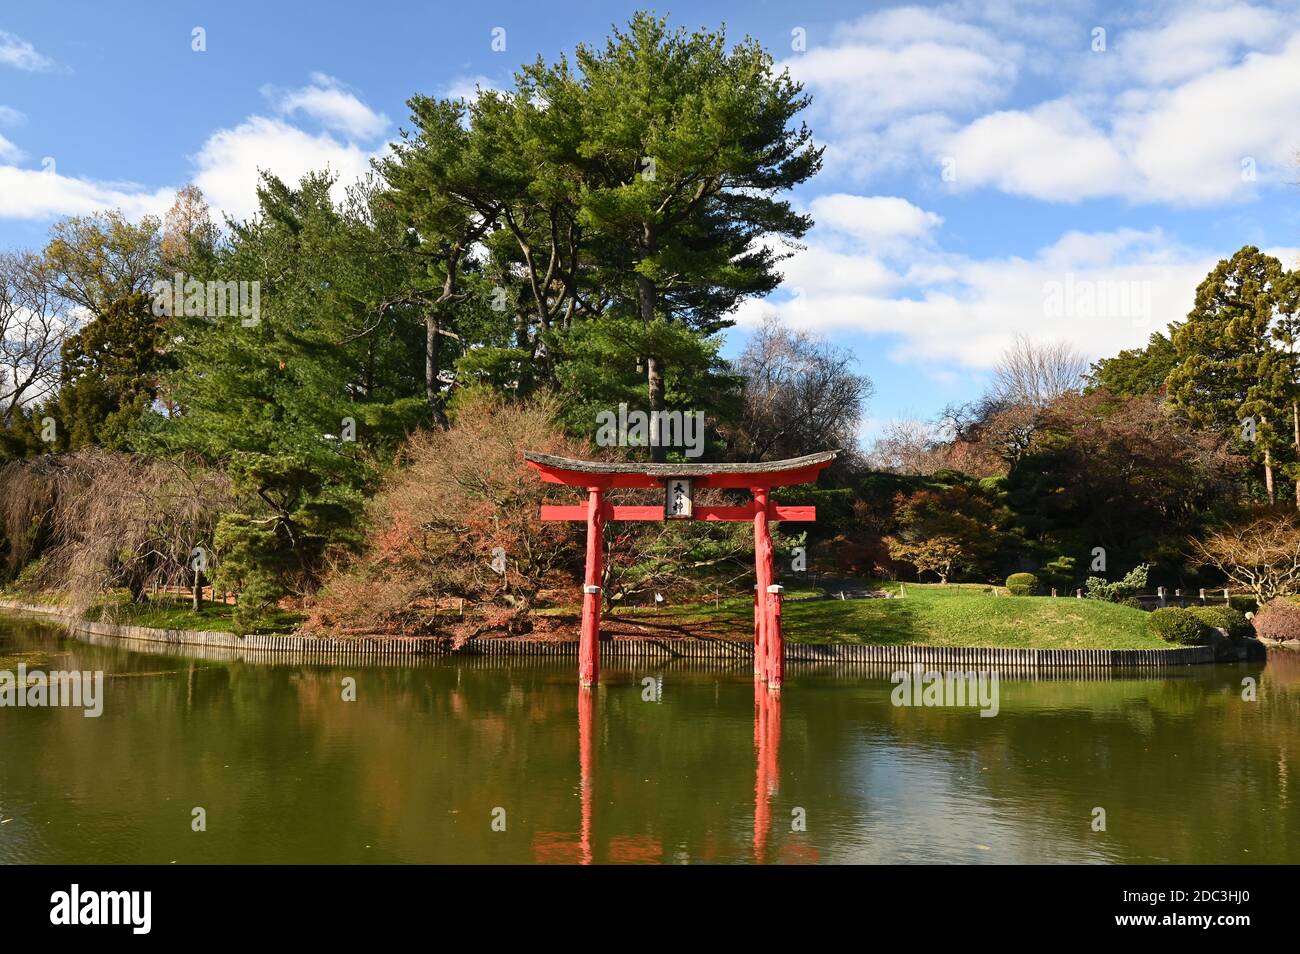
(472, 760)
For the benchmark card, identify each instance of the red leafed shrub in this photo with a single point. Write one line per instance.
(1278, 619)
(461, 508)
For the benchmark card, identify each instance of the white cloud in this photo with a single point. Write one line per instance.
(874, 220)
(900, 26)
(1196, 41)
(8, 151)
(1208, 140)
(1051, 152)
(331, 103)
(1100, 291)
(40, 194)
(468, 88)
(1194, 105)
(886, 84)
(228, 164)
(226, 167)
(20, 54)
(11, 117)
(1183, 155)
(861, 84)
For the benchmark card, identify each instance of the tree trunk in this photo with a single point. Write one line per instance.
(432, 344)
(1268, 476)
(646, 296)
(655, 386)
(1295, 425)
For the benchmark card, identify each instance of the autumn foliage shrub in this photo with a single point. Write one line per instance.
(1278, 619)
(454, 542)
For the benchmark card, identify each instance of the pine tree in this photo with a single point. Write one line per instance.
(686, 147)
(1230, 376)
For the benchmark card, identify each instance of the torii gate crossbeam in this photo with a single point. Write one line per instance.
(759, 479)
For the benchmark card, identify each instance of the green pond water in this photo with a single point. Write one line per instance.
(695, 766)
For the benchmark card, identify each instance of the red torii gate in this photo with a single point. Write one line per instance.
(679, 482)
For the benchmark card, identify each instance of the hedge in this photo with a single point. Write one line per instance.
(1022, 584)
(1226, 618)
(1174, 624)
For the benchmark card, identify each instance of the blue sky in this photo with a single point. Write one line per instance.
(993, 169)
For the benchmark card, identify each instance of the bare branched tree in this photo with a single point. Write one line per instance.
(114, 521)
(988, 436)
(1261, 555)
(909, 447)
(34, 321)
(28, 489)
(801, 396)
(1033, 374)
(993, 432)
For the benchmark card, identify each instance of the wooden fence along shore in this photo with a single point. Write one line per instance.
(327, 649)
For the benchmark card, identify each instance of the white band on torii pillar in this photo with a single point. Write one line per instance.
(588, 588)
(776, 588)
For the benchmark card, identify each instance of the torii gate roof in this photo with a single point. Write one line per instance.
(587, 473)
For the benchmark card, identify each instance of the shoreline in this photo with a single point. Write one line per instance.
(264, 648)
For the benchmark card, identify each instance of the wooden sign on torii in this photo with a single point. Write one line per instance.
(679, 482)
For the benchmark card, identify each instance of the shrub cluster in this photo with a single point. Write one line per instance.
(1245, 604)
(1233, 621)
(1278, 619)
(1176, 625)
(1058, 574)
(1022, 584)
(1133, 582)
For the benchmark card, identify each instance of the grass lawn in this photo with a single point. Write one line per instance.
(930, 615)
(167, 611)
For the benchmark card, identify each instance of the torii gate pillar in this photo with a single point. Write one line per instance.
(769, 648)
(759, 479)
(589, 641)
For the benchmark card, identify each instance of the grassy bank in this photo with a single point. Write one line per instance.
(213, 617)
(163, 611)
(929, 615)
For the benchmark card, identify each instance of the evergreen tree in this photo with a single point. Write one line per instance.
(639, 190)
(1229, 376)
(1136, 372)
(110, 369)
(686, 145)
(298, 399)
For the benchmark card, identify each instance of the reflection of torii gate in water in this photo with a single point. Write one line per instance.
(679, 482)
(767, 749)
